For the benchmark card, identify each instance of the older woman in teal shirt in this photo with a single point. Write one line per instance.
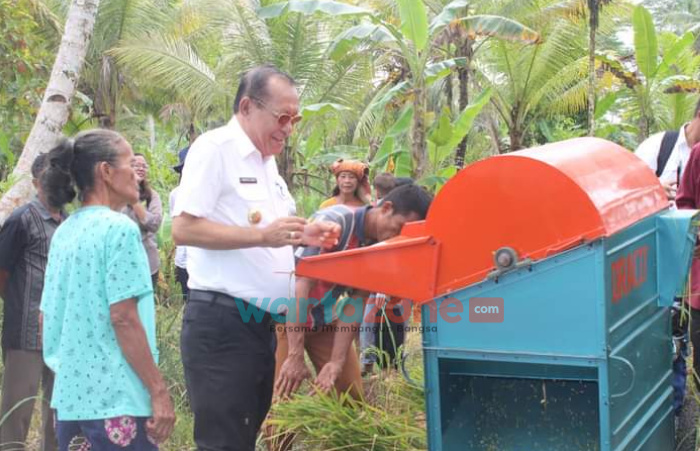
(97, 304)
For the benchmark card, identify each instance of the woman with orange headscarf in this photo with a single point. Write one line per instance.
(352, 184)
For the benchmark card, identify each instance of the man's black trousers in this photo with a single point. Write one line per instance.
(229, 368)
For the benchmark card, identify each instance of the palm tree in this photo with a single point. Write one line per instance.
(413, 43)
(533, 82)
(53, 112)
(594, 7)
(657, 79)
(204, 78)
(105, 82)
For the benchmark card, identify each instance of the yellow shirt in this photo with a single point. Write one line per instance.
(328, 203)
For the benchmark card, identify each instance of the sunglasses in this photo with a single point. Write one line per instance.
(282, 118)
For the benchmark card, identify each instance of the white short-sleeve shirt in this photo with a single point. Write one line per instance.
(649, 150)
(227, 180)
(180, 251)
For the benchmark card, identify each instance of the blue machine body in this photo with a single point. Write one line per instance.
(582, 359)
(578, 244)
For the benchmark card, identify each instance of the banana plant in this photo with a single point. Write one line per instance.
(666, 71)
(442, 138)
(412, 41)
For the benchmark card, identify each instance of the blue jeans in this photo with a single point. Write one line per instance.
(680, 331)
(123, 433)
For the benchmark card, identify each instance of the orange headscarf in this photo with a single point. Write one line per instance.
(358, 168)
(361, 171)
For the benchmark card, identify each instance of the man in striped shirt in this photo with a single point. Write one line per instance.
(329, 349)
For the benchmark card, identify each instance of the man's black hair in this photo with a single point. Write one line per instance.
(409, 199)
(39, 164)
(254, 83)
(402, 181)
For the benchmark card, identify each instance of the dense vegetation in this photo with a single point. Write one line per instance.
(416, 87)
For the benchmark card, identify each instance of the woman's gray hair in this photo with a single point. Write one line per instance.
(72, 164)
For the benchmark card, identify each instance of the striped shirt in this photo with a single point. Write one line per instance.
(352, 235)
(24, 250)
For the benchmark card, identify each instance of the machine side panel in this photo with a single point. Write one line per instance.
(549, 308)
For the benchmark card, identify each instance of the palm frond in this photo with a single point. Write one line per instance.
(245, 37)
(559, 48)
(170, 63)
(50, 14)
(373, 116)
(123, 19)
(572, 100)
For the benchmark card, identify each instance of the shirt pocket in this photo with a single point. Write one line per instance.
(253, 198)
(252, 192)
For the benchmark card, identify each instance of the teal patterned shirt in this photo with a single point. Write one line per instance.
(96, 259)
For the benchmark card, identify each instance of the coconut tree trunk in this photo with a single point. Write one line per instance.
(494, 133)
(449, 98)
(593, 9)
(105, 100)
(53, 113)
(465, 50)
(285, 163)
(516, 138)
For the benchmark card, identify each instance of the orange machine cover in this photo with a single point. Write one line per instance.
(538, 201)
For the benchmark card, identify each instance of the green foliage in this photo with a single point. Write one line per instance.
(309, 7)
(444, 138)
(25, 63)
(531, 82)
(169, 321)
(392, 421)
(664, 97)
(369, 73)
(449, 13)
(646, 47)
(414, 22)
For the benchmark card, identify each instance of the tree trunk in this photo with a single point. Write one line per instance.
(464, 50)
(592, 27)
(105, 100)
(516, 138)
(644, 115)
(492, 128)
(53, 113)
(449, 98)
(418, 150)
(285, 163)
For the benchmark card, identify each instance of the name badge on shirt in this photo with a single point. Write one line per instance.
(248, 180)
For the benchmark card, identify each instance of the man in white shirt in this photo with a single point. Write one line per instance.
(180, 251)
(232, 214)
(680, 144)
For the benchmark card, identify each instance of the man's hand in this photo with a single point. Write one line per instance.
(160, 425)
(671, 190)
(292, 374)
(325, 381)
(323, 234)
(283, 232)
